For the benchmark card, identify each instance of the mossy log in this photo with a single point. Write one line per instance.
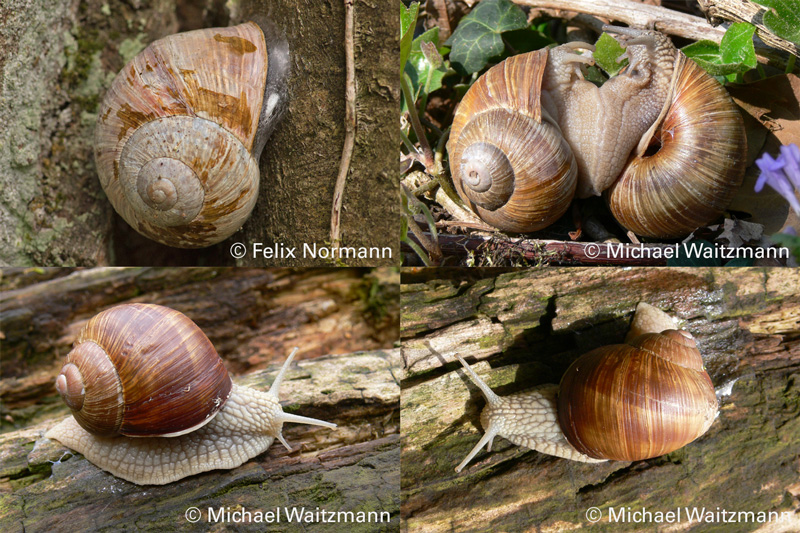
(522, 329)
(253, 317)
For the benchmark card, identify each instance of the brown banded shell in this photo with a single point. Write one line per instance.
(508, 159)
(696, 165)
(634, 401)
(143, 370)
(176, 132)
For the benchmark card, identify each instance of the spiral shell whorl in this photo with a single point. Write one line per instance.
(508, 159)
(697, 169)
(143, 370)
(184, 171)
(190, 106)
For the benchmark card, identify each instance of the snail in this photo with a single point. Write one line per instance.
(661, 140)
(152, 402)
(624, 402)
(181, 129)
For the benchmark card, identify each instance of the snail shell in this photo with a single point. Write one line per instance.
(182, 127)
(623, 402)
(635, 401)
(697, 166)
(508, 158)
(143, 370)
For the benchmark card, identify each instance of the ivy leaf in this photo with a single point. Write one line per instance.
(477, 37)
(707, 54)
(782, 18)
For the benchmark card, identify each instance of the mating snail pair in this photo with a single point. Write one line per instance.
(624, 402)
(662, 140)
(181, 130)
(152, 402)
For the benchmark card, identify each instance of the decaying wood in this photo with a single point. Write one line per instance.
(521, 329)
(44, 486)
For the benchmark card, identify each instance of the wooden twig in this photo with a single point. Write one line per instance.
(718, 11)
(349, 123)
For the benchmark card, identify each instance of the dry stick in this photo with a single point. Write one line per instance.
(746, 11)
(349, 123)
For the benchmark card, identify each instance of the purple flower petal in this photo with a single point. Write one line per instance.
(791, 154)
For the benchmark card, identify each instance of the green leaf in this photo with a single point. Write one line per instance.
(737, 45)
(606, 52)
(408, 21)
(707, 54)
(419, 67)
(783, 18)
(477, 37)
(792, 242)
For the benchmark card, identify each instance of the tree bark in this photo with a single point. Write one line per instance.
(526, 327)
(253, 317)
(58, 60)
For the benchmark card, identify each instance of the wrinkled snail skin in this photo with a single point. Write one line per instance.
(172, 413)
(604, 124)
(624, 402)
(611, 133)
(181, 129)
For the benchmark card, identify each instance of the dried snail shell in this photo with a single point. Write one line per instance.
(182, 127)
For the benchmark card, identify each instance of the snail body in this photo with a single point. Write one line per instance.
(152, 402)
(627, 402)
(661, 140)
(182, 127)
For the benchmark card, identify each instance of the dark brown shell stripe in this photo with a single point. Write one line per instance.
(181, 379)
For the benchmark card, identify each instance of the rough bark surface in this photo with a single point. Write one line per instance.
(58, 59)
(253, 317)
(525, 328)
